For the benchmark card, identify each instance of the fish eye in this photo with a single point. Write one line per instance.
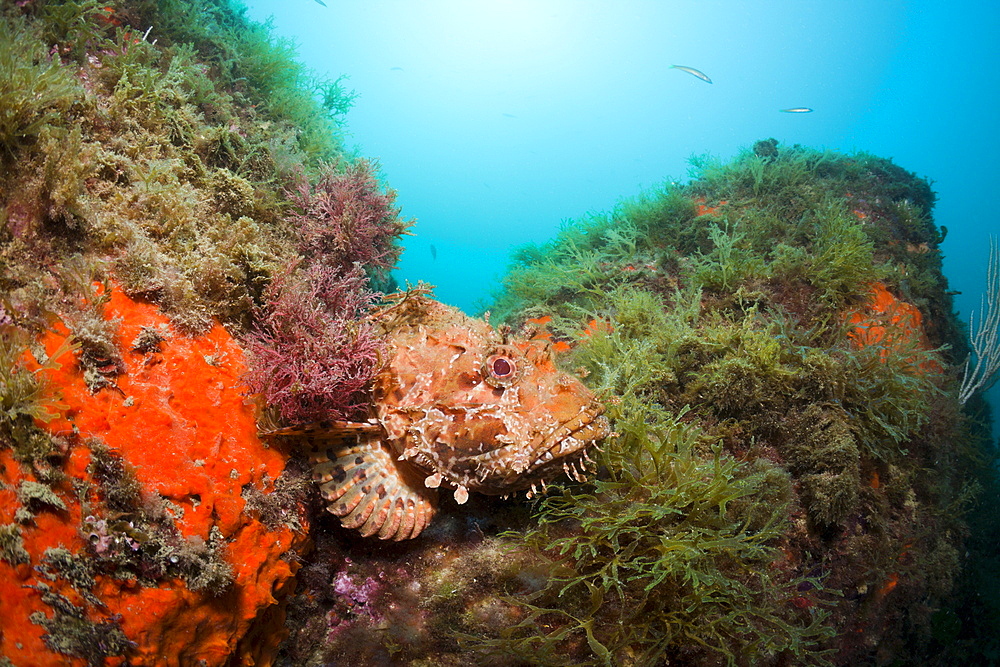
(502, 368)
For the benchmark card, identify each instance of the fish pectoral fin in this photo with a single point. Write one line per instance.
(373, 492)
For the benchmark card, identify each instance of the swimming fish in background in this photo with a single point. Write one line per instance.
(796, 110)
(321, 2)
(459, 406)
(694, 72)
(434, 252)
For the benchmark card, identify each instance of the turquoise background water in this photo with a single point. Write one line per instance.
(495, 121)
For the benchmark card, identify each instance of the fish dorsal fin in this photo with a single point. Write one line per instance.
(370, 490)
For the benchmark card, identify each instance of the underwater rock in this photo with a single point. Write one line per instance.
(791, 325)
(153, 555)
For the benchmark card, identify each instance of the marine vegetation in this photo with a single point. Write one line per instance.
(154, 156)
(313, 357)
(312, 353)
(782, 317)
(35, 90)
(667, 550)
(790, 476)
(348, 218)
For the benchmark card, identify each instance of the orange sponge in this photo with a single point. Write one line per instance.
(885, 310)
(178, 418)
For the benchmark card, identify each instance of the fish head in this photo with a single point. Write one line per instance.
(476, 408)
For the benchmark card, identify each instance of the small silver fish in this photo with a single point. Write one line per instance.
(690, 70)
(797, 110)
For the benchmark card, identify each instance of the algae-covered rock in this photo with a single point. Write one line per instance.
(790, 473)
(789, 466)
(792, 315)
(148, 152)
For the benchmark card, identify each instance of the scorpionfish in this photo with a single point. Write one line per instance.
(458, 406)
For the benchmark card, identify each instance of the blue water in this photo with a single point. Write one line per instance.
(495, 121)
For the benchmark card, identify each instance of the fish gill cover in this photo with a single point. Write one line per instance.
(792, 478)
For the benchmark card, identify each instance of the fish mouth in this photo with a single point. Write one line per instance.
(523, 465)
(566, 445)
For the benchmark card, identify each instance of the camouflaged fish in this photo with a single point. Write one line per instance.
(458, 406)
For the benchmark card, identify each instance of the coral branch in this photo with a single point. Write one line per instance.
(985, 334)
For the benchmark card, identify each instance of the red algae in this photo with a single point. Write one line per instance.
(178, 418)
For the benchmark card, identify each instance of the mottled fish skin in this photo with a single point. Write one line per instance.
(459, 406)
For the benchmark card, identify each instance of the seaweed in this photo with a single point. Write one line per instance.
(666, 550)
(654, 558)
(261, 69)
(180, 161)
(312, 358)
(72, 26)
(12, 545)
(69, 630)
(35, 91)
(842, 261)
(730, 263)
(280, 507)
(757, 316)
(23, 398)
(348, 218)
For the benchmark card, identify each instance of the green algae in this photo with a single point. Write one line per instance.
(671, 546)
(165, 165)
(662, 553)
(23, 399)
(35, 91)
(726, 340)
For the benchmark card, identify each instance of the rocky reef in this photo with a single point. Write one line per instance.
(792, 478)
(187, 256)
(783, 318)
